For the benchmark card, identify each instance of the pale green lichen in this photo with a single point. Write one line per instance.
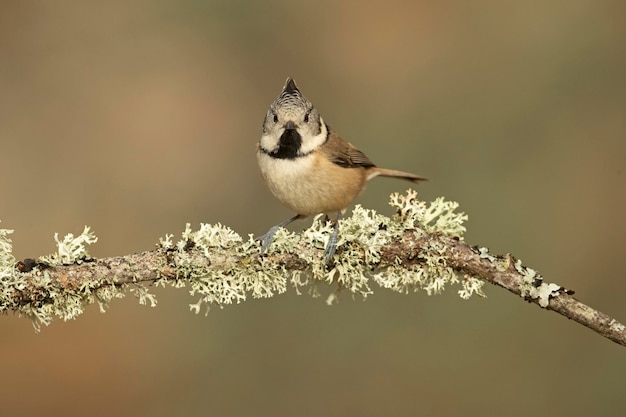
(439, 216)
(484, 253)
(533, 286)
(502, 263)
(361, 238)
(220, 281)
(219, 267)
(52, 299)
(71, 249)
(144, 296)
(433, 274)
(616, 326)
(355, 266)
(62, 302)
(7, 260)
(9, 280)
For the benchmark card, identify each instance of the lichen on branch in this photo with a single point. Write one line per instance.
(235, 269)
(419, 248)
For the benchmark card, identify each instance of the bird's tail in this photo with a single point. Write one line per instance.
(375, 172)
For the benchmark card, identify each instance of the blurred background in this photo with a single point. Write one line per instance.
(137, 117)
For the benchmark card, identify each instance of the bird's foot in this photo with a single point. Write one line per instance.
(331, 246)
(267, 239)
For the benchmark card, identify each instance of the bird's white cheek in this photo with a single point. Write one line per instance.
(311, 143)
(269, 142)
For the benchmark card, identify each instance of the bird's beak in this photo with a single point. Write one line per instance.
(290, 125)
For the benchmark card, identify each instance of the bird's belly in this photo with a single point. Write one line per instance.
(308, 186)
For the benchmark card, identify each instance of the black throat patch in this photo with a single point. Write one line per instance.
(288, 145)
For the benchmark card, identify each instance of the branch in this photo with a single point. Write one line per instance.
(421, 248)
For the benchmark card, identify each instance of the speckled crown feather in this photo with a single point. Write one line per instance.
(291, 99)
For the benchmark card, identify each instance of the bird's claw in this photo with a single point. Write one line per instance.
(267, 239)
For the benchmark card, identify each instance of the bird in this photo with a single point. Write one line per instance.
(308, 167)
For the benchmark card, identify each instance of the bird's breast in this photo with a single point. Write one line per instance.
(311, 184)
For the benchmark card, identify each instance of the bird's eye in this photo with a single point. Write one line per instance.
(275, 118)
(306, 117)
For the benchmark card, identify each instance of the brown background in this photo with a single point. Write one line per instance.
(135, 119)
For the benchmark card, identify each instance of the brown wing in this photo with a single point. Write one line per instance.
(343, 153)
